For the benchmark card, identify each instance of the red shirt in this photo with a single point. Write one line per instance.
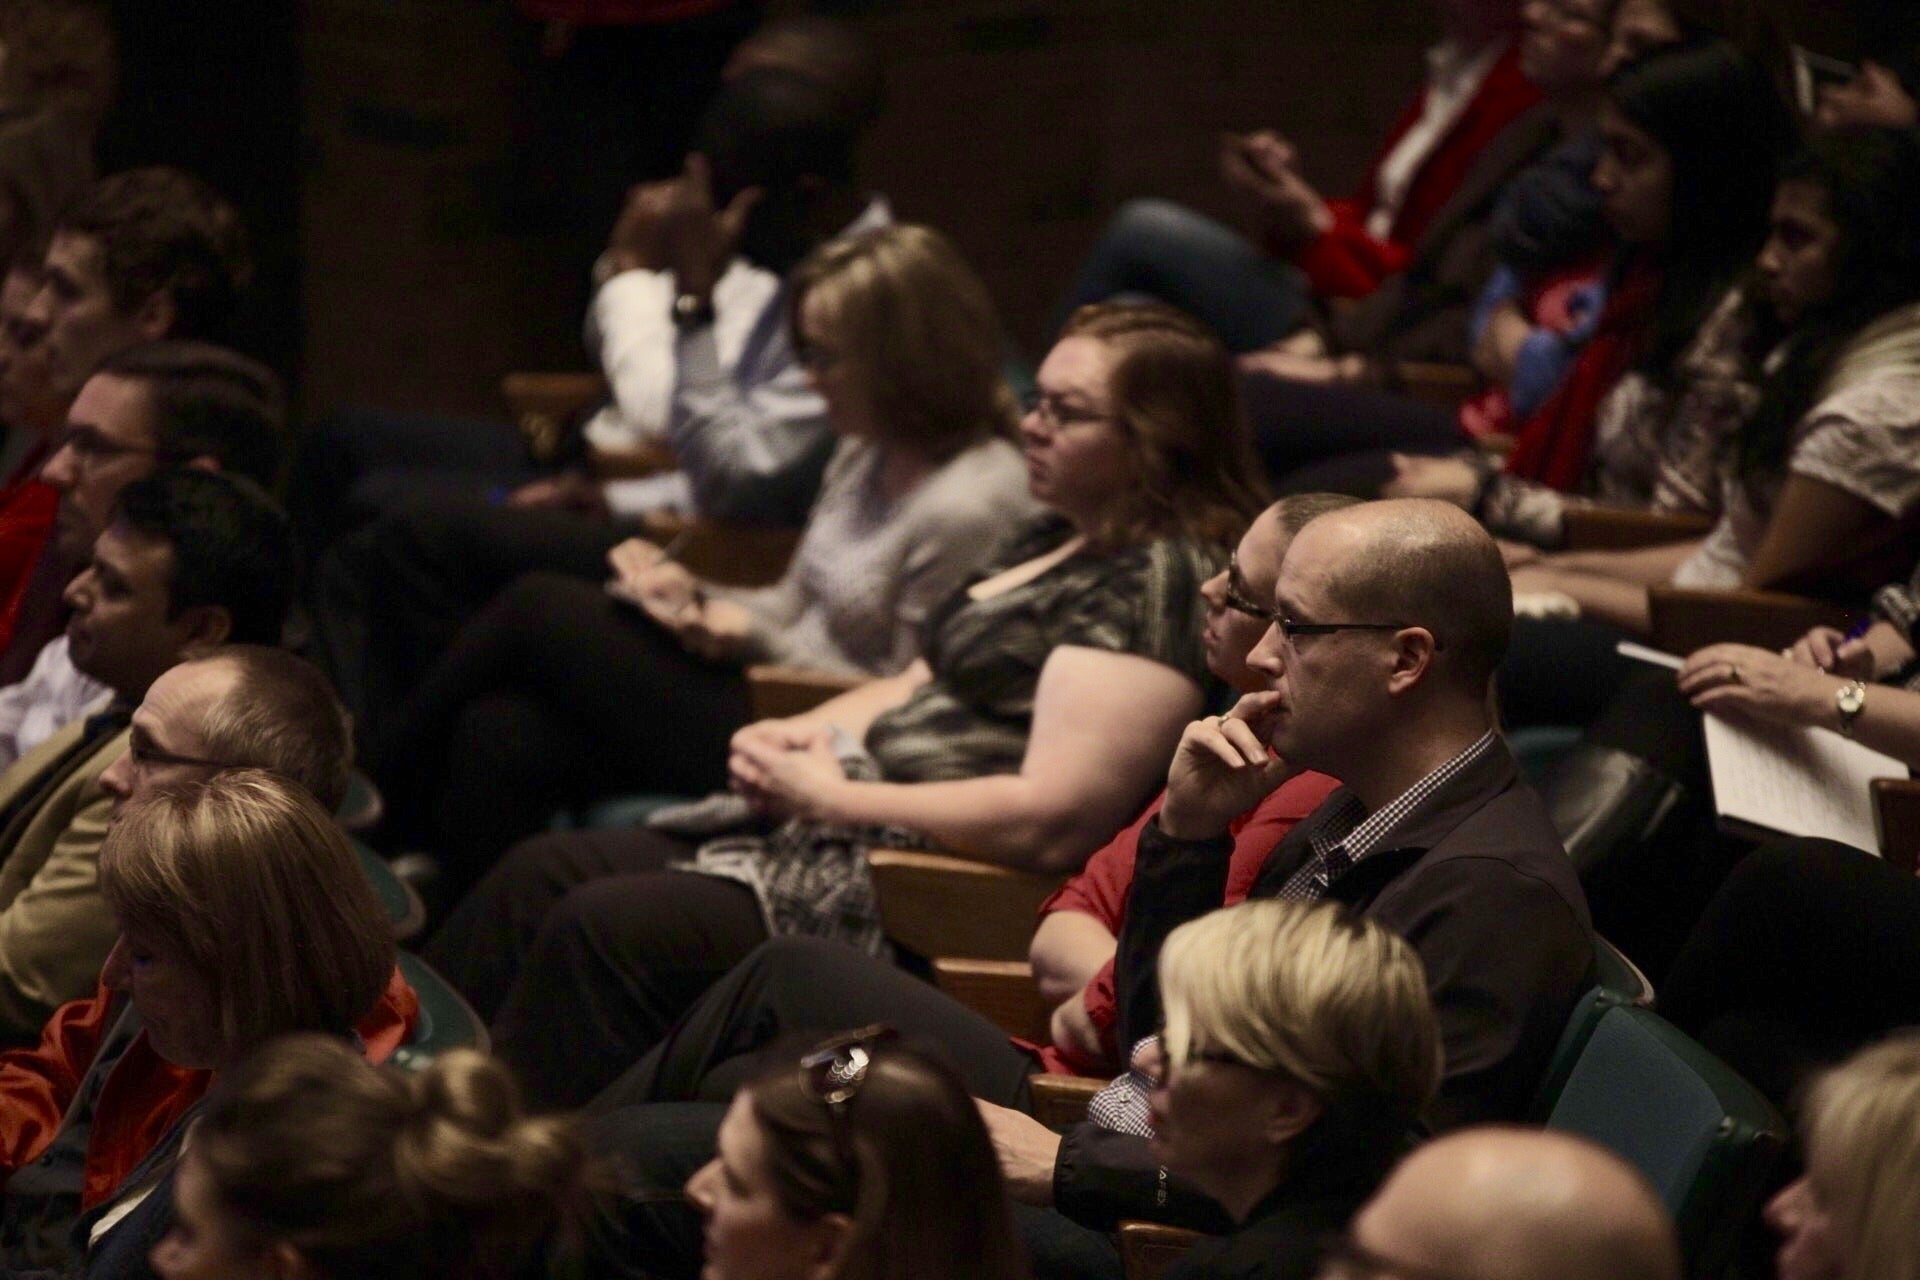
(143, 1096)
(1346, 261)
(27, 508)
(1100, 891)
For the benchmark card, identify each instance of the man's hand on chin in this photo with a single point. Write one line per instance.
(1221, 769)
(1027, 1151)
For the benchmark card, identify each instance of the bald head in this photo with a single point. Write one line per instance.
(1520, 1204)
(1428, 564)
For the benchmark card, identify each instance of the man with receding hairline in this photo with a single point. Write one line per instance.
(1512, 1204)
(1387, 622)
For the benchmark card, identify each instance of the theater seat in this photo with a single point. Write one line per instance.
(446, 1022)
(1685, 619)
(405, 912)
(937, 905)
(1703, 1137)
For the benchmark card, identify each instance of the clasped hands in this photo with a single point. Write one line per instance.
(787, 768)
(664, 589)
(1792, 687)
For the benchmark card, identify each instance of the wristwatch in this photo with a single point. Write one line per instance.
(1850, 698)
(692, 310)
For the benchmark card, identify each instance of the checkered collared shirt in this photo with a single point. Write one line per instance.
(1341, 839)
(1345, 835)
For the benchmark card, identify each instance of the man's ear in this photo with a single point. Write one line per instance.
(1292, 1110)
(206, 624)
(156, 316)
(1413, 657)
(829, 1237)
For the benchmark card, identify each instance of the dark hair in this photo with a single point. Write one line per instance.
(1716, 115)
(209, 401)
(771, 127)
(162, 230)
(1754, 27)
(368, 1172)
(907, 1158)
(836, 54)
(1870, 179)
(1295, 511)
(231, 546)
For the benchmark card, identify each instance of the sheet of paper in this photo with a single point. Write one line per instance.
(1641, 653)
(1801, 782)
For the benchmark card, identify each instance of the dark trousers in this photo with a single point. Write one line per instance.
(1804, 955)
(555, 694)
(1314, 438)
(389, 597)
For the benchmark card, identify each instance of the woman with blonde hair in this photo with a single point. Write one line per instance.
(1048, 698)
(1852, 1215)
(1299, 1053)
(243, 915)
(309, 1163)
(867, 1161)
(564, 691)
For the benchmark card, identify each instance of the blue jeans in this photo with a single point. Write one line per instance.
(1168, 252)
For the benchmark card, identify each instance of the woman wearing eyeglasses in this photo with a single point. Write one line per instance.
(865, 1161)
(1039, 719)
(1299, 1052)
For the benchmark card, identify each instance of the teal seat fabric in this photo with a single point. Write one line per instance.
(1537, 748)
(1703, 1137)
(362, 808)
(446, 1022)
(403, 907)
(617, 813)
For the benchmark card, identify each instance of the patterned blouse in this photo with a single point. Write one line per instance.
(973, 717)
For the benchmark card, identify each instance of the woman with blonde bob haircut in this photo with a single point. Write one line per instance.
(1852, 1215)
(309, 1163)
(243, 915)
(1299, 1053)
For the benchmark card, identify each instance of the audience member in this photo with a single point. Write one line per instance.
(157, 405)
(848, 1166)
(1512, 1204)
(306, 1161)
(1850, 1215)
(561, 690)
(1434, 837)
(1474, 92)
(1300, 1050)
(243, 915)
(1052, 690)
(1818, 474)
(189, 558)
(692, 326)
(136, 257)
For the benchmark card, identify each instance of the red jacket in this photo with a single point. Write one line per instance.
(1100, 891)
(27, 508)
(1346, 261)
(143, 1096)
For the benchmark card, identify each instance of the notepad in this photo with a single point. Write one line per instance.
(1769, 779)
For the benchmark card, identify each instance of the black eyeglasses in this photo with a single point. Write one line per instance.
(1058, 414)
(836, 1069)
(145, 754)
(1239, 598)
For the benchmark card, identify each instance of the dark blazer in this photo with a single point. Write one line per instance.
(1284, 1238)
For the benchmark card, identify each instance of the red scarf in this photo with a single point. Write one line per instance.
(1554, 444)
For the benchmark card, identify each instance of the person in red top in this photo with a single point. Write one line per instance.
(243, 915)
(1343, 248)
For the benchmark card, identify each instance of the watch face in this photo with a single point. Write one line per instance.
(1851, 698)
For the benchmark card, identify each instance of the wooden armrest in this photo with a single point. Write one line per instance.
(544, 405)
(1622, 529)
(734, 555)
(1896, 820)
(1441, 384)
(632, 464)
(1686, 619)
(935, 904)
(1148, 1250)
(1001, 991)
(1059, 1101)
(777, 692)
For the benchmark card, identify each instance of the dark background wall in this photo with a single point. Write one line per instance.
(371, 143)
